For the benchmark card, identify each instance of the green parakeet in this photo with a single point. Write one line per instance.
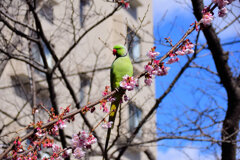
(121, 66)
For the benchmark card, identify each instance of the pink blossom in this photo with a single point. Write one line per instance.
(104, 106)
(104, 93)
(78, 153)
(188, 51)
(180, 52)
(66, 153)
(54, 130)
(127, 5)
(155, 71)
(172, 60)
(40, 132)
(84, 135)
(90, 140)
(61, 124)
(207, 18)
(105, 109)
(221, 3)
(222, 12)
(148, 81)
(152, 54)
(56, 148)
(111, 99)
(148, 68)
(189, 45)
(83, 140)
(163, 71)
(48, 144)
(125, 97)
(128, 83)
(107, 125)
(75, 140)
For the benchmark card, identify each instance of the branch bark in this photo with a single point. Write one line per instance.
(231, 121)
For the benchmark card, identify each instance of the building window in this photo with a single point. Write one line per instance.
(133, 44)
(133, 7)
(135, 115)
(82, 10)
(47, 11)
(132, 11)
(37, 56)
(84, 83)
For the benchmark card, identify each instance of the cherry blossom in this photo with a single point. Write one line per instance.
(207, 19)
(152, 54)
(83, 140)
(222, 12)
(78, 153)
(148, 68)
(40, 132)
(163, 71)
(221, 3)
(48, 143)
(56, 148)
(66, 153)
(107, 125)
(188, 51)
(111, 99)
(148, 81)
(61, 124)
(186, 48)
(104, 105)
(172, 60)
(128, 83)
(125, 97)
(180, 52)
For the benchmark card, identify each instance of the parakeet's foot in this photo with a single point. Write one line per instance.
(117, 89)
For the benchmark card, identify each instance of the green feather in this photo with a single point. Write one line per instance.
(121, 66)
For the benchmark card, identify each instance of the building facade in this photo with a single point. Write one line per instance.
(82, 33)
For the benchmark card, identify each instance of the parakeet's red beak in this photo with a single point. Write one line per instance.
(114, 52)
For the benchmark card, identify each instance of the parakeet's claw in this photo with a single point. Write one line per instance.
(117, 89)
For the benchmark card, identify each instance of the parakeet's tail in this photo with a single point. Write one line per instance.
(107, 139)
(113, 110)
(112, 116)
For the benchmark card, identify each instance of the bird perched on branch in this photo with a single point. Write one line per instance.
(121, 66)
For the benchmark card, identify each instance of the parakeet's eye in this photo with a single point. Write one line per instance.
(114, 52)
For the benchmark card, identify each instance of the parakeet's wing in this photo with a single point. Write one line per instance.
(120, 67)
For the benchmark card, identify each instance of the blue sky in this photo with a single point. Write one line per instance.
(173, 19)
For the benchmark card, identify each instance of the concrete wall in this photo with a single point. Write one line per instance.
(90, 54)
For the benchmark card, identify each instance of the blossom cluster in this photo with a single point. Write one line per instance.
(106, 92)
(207, 17)
(185, 48)
(155, 67)
(80, 142)
(222, 6)
(103, 106)
(56, 152)
(128, 83)
(208, 14)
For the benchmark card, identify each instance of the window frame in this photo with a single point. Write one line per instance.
(132, 42)
(135, 116)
